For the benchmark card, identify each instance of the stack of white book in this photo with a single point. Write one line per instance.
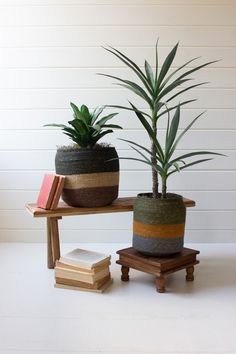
(83, 270)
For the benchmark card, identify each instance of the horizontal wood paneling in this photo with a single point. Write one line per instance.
(87, 57)
(193, 140)
(140, 15)
(60, 98)
(205, 199)
(217, 163)
(50, 52)
(48, 139)
(33, 119)
(133, 180)
(100, 236)
(41, 160)
(17, 199)
(81, 77)
(119, 36)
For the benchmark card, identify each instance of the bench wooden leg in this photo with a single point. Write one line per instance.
(49, 245)
(53, 241)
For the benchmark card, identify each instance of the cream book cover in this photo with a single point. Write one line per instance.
(84, 258)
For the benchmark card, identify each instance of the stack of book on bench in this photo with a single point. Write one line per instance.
(83, 270)
(50, 191)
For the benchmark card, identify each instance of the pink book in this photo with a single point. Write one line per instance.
(57, 194)
(47, 191)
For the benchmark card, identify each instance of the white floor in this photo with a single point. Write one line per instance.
(132, 317)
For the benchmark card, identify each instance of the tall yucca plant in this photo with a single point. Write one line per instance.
(155, 87)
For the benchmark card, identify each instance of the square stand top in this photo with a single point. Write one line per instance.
(130, 258)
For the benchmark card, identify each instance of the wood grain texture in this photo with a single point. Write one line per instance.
(160, 264)
(119, 205)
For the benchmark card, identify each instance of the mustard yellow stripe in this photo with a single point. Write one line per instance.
(90, 180)
(161, 231)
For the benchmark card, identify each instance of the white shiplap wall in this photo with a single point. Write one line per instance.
(50, 52)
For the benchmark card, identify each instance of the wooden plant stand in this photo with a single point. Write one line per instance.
(53, 241)
(158, 266)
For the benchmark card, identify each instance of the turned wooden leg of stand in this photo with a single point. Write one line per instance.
(124, 273)
(189, 275)
(53, 241)
(160, 284)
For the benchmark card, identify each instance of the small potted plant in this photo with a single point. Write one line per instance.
(91, 169)
(159, 217)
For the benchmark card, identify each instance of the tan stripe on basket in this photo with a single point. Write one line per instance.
(162, 231)
(102, 179)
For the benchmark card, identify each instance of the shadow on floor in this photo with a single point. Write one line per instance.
(214, 273)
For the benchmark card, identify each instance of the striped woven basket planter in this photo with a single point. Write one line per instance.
(159, 224)
(91, 179)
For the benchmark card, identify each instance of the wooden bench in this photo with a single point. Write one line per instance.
(52, 216)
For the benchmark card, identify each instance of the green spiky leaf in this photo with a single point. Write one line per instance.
(167, 64)
(149, 74)
(173, 130)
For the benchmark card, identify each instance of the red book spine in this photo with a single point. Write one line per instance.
(58, 192)
(47, 191)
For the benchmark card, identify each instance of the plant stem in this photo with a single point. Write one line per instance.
(154, 161)
(164, 187)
